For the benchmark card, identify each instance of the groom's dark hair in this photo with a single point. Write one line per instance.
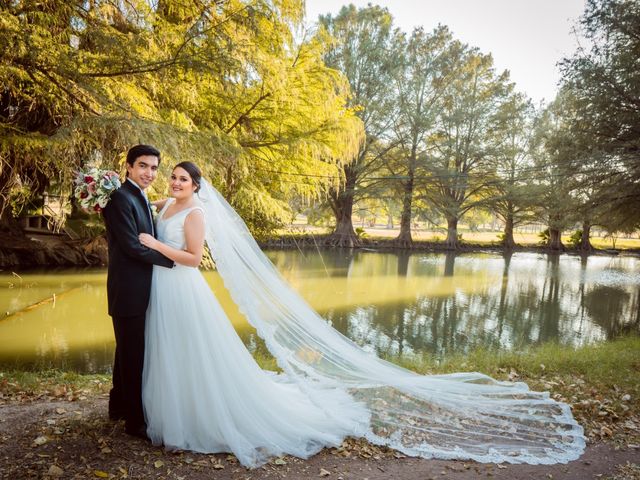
(140, 151)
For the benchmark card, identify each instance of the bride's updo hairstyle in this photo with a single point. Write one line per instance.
(193, 171)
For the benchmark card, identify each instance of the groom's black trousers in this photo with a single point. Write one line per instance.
(125, 398)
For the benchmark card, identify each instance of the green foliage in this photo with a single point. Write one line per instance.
(556, 199)
(544, 237)
(225, 84)
(605, 85)
(363, 50)
(355, 111)
(575, 240)
(464, 141)
(511, 194)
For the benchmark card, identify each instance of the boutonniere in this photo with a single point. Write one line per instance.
(154, 211)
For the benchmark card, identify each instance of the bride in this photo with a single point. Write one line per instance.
(203, 391)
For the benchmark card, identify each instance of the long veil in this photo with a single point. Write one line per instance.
(455, 416)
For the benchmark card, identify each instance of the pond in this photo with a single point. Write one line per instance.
(397, 304)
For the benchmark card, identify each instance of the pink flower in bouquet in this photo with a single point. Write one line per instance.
(93, 188)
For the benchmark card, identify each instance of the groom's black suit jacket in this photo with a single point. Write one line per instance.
(130, 263)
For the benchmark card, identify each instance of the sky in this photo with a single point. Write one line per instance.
(526, 37)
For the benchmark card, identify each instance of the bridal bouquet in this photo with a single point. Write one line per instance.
(94, 187)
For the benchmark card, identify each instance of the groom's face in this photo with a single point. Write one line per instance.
(144, 170)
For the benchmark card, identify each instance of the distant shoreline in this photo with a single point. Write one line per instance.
(379, 244)
(58, 252)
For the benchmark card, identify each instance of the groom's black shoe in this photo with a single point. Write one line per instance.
(140, 431)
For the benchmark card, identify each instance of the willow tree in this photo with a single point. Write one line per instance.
(511, 194)
(75, 79)
(605, 84)
(363, 52)
(464, 141)
(421, 83)
(223, 83)
(282, 109)
(553, 158)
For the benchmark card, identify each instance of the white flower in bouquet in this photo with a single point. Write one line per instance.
(94, 187)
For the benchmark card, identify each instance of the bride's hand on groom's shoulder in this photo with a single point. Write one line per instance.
(148, 240)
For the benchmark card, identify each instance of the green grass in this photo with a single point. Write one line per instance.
(56, 383)
(610, 363)
(617, 361)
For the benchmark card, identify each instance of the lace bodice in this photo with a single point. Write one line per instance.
(171, 230)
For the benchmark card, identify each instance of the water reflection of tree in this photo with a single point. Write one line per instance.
(549, 311)
(449, 264)
(339, 261)
(542, 302)
(403, 263)
(609, 307)
(504, 287)
(334, 263)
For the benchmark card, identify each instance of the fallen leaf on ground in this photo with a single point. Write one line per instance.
(55, 471)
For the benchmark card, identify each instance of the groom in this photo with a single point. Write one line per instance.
(128, 214)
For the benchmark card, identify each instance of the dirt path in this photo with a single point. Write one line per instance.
(61, 439)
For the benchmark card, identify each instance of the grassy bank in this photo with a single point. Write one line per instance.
(601, 381)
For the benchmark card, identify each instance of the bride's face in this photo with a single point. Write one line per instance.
(181, 185)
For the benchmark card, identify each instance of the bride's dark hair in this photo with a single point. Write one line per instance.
(194, 172)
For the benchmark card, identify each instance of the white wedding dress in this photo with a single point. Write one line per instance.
(203, 391)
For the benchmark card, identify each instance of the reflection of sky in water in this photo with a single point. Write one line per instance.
(389, 303)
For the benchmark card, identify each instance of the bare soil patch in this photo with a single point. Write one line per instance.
(62, 438)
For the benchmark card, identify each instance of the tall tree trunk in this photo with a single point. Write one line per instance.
(508, 242)
(8, 224)
(555, 240)
(404, 240)
(5, 188)
(342, 205)
(585, 244)
(451, 242)
(389, 221)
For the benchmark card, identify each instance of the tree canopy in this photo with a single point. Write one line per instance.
(228, 84)
(354, 115)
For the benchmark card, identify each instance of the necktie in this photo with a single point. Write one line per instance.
(146, 200)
